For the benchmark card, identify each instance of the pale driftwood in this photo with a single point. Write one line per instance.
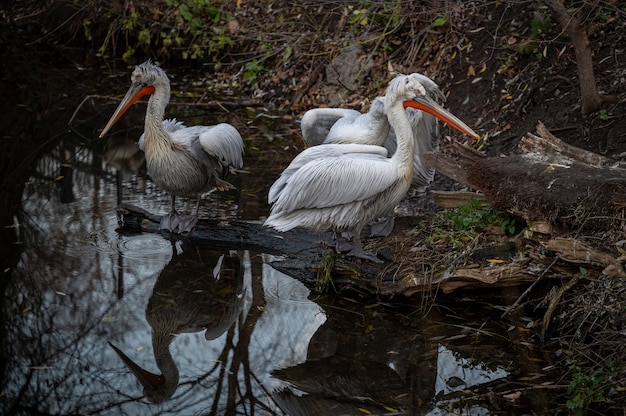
(576, 252)
(548, 144)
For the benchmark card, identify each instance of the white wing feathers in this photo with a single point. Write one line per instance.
(316, 123)
(221, 141)
(319, 185)
(224, 142)
(316, 153)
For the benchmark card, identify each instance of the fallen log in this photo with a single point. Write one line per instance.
(235, 235)
(304, 256)
(304, 251)
(547, 181)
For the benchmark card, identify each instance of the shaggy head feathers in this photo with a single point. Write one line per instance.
(149, 74)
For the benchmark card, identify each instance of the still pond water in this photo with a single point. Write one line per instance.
(247, 339)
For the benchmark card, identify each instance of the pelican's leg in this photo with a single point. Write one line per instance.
(187, 223)
(341, 243)
(170, 221)
(357, 251)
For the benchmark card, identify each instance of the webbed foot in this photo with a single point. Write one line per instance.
(169, 222)
(187, 223)
(341, 243)
(357, 251)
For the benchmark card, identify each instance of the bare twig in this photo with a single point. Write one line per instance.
(528, 290)
(223, 105)
(554, 302)
(103, 97)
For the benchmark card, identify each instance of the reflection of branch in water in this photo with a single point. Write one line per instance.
(187, 298)
(236, 376)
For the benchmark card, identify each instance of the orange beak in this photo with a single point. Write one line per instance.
(135, 92)
(429, 106)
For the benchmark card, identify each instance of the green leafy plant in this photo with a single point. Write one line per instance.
(388, 14)
(193, 29)
(585, 389)
(539, 26)
(220, 41)
(474, 216)
(251, 71)
(464, 223)
(440, 21)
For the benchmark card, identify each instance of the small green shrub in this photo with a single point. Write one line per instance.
(585, 389)
(464, 223)
(251, 71)
(474, 216)
(192, 29)
(539, 26)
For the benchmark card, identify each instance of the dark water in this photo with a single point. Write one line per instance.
(244, 338)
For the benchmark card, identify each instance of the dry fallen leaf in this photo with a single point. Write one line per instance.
(513, 396)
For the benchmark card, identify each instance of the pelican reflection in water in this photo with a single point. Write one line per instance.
(187, 297)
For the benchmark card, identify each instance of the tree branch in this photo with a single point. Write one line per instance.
(590, 100)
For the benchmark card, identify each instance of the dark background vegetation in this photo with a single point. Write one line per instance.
(504, 65)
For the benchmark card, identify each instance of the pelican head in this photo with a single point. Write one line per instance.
(412, 89)
(145, 80)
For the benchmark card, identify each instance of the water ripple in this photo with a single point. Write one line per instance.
(143, 246)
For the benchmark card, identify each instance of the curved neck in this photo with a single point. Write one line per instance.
(164, 361)
(399, 120)
(155, 112)
(161, 341)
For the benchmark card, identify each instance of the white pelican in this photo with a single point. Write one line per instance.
(343, 187)
(340, 125)
(184, 161)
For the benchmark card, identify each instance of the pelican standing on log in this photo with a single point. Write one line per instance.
(184, 161)
(343, 187)
(341, 125)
